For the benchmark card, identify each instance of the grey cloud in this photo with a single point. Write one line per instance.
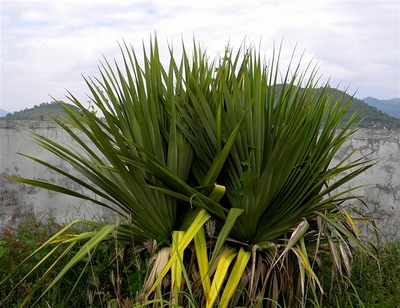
(47, 46)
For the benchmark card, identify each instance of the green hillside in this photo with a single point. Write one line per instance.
(40, 112)
(372, 117)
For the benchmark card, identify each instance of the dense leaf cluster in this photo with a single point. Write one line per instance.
(236, 143)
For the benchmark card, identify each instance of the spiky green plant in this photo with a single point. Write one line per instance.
(227, 141)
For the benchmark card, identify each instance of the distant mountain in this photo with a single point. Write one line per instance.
(3, 112)
(390, 106)
(372, 116)
(39, 112)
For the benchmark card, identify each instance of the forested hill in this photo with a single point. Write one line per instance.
(40, 112)
(372, 117)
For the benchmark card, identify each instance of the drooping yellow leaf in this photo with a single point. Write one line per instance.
(197, 223)
(202, 259)
(351, 222)
(219, 276)
(176, 269)
(234, 277)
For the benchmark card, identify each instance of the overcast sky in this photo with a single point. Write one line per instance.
(48, 45)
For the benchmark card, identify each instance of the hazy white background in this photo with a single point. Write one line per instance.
(48, 45)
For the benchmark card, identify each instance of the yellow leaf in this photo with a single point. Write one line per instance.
(176, 269)
(234, 278)
(351, 222)
(202, 259)
(219, 276)
(197, 223)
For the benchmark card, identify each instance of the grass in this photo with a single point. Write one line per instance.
(371, 284)
(114, 274)
(16, 243)
(378, 286)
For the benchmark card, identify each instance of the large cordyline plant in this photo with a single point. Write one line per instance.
(236, 145)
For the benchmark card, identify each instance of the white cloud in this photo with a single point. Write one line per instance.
(47, 45)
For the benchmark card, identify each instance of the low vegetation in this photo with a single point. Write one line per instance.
(114, 274)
